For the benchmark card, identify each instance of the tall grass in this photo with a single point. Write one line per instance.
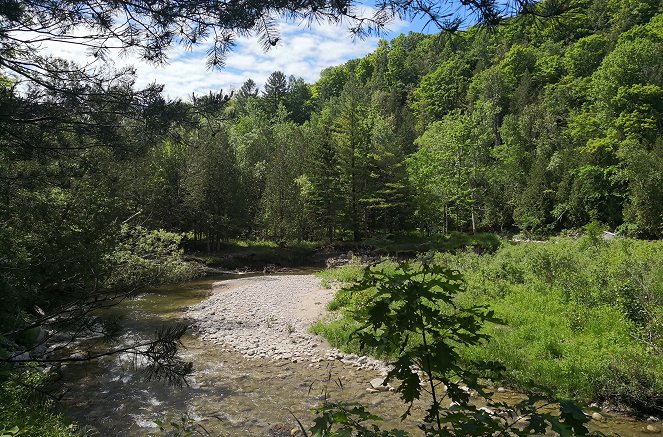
(582, 317)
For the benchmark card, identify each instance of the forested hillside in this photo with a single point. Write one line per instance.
(535, 127)
(537, 124)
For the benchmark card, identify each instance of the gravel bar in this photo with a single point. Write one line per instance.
(268, 317)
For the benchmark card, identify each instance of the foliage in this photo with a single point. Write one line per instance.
(581, 319)
(534, 127)
(414, 318)
(337, 420)
(26, 410)
(145, 257)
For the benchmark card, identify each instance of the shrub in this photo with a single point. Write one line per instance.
(24, 407)
(147, 257)
(584, 320)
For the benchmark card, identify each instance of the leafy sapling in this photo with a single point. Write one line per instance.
(413, 317)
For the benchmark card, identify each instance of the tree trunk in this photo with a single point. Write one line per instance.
(446, 220)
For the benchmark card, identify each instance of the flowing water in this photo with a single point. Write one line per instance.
(228, 395)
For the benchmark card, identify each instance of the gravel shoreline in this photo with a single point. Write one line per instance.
(268, 317)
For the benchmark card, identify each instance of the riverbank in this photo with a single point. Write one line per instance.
(266, 320)
(582, 317)
(231, 393)
(283, 257)
(269, 317)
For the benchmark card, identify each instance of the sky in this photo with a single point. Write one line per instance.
(303, 51)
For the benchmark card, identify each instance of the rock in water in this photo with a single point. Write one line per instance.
(377, 384)
(598, 417)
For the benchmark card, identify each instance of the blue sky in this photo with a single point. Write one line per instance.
(304, 51)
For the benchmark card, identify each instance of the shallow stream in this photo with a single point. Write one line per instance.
(228, 395)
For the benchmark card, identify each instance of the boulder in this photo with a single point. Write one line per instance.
(598, 417)
(378, 384)
(651, 429)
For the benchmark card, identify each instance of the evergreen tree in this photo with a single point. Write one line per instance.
(386, 196)
(320, 184)
(283, 215)
(275, 91)
(351, 135)
(246, 93)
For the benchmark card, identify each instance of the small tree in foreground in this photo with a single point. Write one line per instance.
(414, 318)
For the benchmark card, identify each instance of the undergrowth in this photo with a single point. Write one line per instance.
(582, 317)
(27, 410)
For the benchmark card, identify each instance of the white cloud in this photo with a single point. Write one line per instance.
(303, 51)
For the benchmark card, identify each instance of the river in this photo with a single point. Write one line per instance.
(228, 395)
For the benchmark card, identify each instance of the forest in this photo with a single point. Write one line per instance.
(533, 129)
(536, 128)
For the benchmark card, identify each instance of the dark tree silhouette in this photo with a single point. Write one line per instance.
(275, 89)
(150, 27)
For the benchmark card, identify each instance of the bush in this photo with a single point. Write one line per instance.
(582, 317)
(147, 257)
(24, 407)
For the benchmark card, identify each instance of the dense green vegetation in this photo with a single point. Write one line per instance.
(535, 127)
(413, 318)
(581, 317)
(23, 403)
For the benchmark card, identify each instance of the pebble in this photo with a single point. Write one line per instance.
(651, 429)
(487, 411)
(262, 317)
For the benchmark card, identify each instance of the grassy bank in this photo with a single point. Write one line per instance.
(582, 317)
(253, 255)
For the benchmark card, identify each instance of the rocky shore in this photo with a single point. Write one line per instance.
(268, 317)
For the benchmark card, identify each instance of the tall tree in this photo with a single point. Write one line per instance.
(441, 91)
(320, 184)
(386, 196)
(297, 100)
(351, 135)
(283, 215)
(275, 91)
(214, 198)
(246, 93)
